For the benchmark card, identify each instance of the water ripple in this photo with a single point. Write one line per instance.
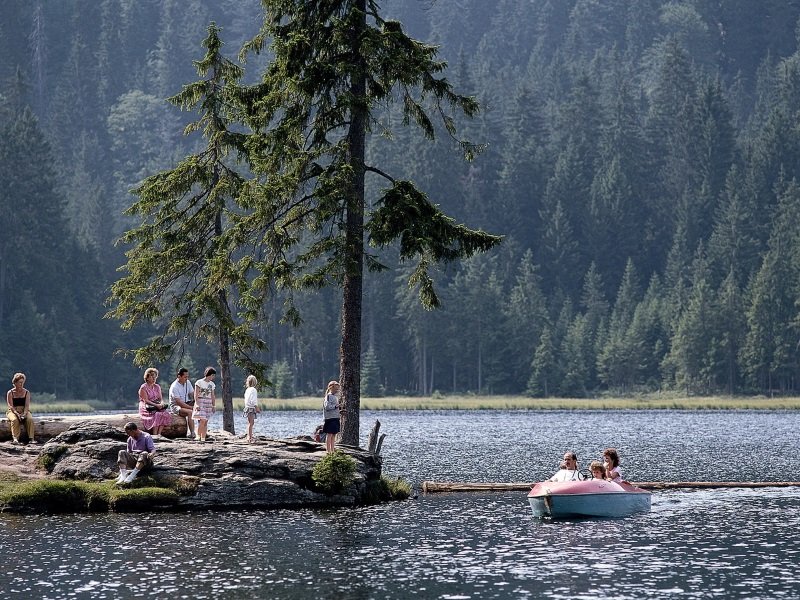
(726, 543)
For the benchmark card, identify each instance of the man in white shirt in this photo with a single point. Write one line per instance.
(180, 402)
(569, 469)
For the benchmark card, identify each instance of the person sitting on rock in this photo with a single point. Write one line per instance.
(152, 410)
(569, 469)
(19, 409)
(137, 456)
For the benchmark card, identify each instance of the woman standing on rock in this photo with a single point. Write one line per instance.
(204, 401)
(152, 409)
(330, 412)
(19, 409)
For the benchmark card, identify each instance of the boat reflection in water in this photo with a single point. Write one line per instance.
(589, 498)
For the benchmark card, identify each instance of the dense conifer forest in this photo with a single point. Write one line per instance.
(640, 159)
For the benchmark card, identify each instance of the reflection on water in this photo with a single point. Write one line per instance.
(693, 544)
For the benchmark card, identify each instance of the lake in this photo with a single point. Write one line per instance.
(724, 543)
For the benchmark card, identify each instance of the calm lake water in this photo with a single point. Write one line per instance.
(735, 543)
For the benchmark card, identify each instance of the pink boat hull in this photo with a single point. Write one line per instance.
(590, 498)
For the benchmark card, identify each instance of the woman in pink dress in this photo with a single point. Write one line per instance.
(152, 410)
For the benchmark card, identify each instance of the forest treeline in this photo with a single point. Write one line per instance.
(640, 161)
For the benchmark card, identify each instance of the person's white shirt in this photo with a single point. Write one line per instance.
(567, 475)
(181, 391)
(250, 398)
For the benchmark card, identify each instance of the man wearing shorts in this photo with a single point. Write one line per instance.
(180, 402)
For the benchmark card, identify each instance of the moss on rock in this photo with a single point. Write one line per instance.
(55, 496)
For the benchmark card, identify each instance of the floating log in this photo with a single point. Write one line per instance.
(432, 487)
(48, 427)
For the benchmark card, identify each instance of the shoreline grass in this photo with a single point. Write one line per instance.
(650, 402)
(470, 402)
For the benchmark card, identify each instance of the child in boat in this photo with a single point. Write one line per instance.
(597, 469)
(611, 463)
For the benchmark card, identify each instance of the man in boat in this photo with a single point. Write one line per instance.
(569, 469)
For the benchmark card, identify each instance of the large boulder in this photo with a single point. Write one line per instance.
(223, 473)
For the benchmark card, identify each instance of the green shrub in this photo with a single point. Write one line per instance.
(399, 489)
(385, 489)
(334, 472)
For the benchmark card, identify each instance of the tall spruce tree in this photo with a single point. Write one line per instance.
(334, 64)
(183, 265)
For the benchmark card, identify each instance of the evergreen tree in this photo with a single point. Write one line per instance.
(544, 367)
(732, 321)
(332, 65)
(733, 249)
(617, 362)
(769, 355)
(280, 376)
(693, 345)
(181, 267)
(371, 374)
(526, 316)
(577, 351)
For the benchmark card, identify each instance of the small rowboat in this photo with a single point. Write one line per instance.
(589, 498)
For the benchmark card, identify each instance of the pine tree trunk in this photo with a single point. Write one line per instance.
(227, 387)
(350, 350)
(224, 345)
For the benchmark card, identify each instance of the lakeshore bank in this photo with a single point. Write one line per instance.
(74, 471)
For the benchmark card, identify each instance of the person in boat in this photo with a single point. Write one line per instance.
(597, 469)
(569, 469)
(611, 463)
(18, 411)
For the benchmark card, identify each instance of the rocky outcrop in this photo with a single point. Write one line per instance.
(226, 472)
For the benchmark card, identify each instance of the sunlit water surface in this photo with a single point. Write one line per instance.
(726, 543)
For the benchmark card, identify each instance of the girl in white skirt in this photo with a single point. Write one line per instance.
(204, 401)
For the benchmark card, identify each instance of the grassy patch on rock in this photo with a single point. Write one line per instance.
(57, 496)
